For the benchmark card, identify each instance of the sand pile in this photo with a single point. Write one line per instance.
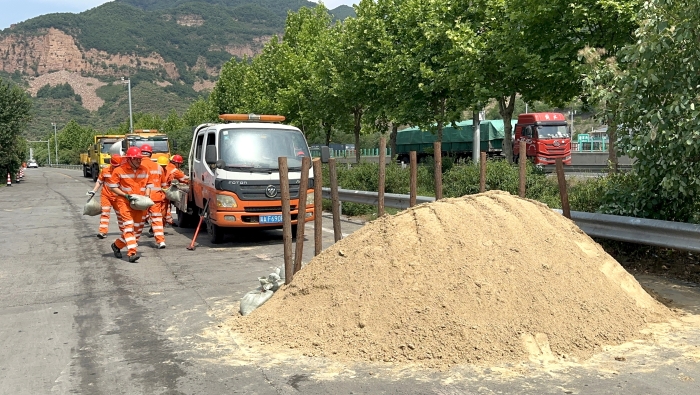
(485, 278)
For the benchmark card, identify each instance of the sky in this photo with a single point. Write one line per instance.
(14, 11)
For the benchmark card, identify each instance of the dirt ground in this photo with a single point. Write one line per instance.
(664, 262)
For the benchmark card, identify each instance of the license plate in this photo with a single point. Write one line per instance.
(270, 219)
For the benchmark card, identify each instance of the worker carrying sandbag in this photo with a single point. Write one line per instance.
(131, 178)
(173, 174)
(107, 197)
(156, 194)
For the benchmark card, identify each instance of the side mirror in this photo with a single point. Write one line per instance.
(174, 144)
(210, 155)
(325, 154)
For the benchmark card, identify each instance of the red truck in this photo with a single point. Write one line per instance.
(546, 135)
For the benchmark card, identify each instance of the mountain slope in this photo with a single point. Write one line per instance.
(178, 47)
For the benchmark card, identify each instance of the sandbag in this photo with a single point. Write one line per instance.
(140, 202)
(268, 286)
(254, 299)
(92, 207)
(173, 193)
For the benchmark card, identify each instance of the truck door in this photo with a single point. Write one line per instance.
(198, 169)
(208, 176)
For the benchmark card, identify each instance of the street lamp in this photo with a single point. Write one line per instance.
(55, 138)
(131, 118)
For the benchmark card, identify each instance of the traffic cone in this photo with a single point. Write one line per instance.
(9, 180)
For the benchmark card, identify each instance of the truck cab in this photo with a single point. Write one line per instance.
(157, 140)
(98, 154)
(546, 136)
(234, 175)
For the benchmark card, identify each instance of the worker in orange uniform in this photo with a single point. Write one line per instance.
(131, 178)
(173, 172)
(157, 195)
(107, 197)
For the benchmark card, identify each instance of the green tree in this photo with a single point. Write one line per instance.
(73, 139)
(659, 111)
(15, 109)
(531, 48)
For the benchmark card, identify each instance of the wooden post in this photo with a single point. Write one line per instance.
(562, 189)
(414, 178)
(482, 173)
(335, 200)
(437, 154)
(382, 176)
(523, 168)
(318, 207)
(286, 219)
(301, 212)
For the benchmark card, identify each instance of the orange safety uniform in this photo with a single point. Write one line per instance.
(172, 172)
(132, 182)
(107, 199)
(154, 212)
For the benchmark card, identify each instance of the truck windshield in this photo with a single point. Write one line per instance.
(258, 149)
(105, 145)
(159, 145)
(552, 132)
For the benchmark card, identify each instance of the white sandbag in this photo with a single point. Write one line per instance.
(92, 207)
(140, 202)
(254, 299)
(173, 193)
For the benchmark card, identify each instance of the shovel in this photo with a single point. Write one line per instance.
(196, 232)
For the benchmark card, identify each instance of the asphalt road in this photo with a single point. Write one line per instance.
(76, 320)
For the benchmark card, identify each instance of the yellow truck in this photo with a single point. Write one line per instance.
(98, 154)
(157, 140)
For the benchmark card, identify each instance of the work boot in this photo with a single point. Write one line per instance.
(150, 232)
(161, 244)
(173, 224)
(116, 251)
(133, 258)
(101, 235)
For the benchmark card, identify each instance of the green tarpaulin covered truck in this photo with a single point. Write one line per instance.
(457, 139)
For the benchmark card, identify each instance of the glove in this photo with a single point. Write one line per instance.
(128, 197)
(90, 193)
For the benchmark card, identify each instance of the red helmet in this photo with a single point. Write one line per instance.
(134, 153)
(176, 159)
(147, 148)
(115, 160)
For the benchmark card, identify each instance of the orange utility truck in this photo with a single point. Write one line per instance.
(234, 175)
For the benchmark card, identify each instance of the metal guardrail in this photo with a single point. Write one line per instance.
(72, 167)
(666, 234)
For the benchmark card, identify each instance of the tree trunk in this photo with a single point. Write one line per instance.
(506, 110)
(328, 129)
(392, 138)
(358, 126)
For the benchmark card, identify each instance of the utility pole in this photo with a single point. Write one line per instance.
(131, 118)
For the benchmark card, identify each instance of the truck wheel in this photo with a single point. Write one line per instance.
(216, 233)
(85, 172)
(185, 220)
(95, 172)
(294, 231)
